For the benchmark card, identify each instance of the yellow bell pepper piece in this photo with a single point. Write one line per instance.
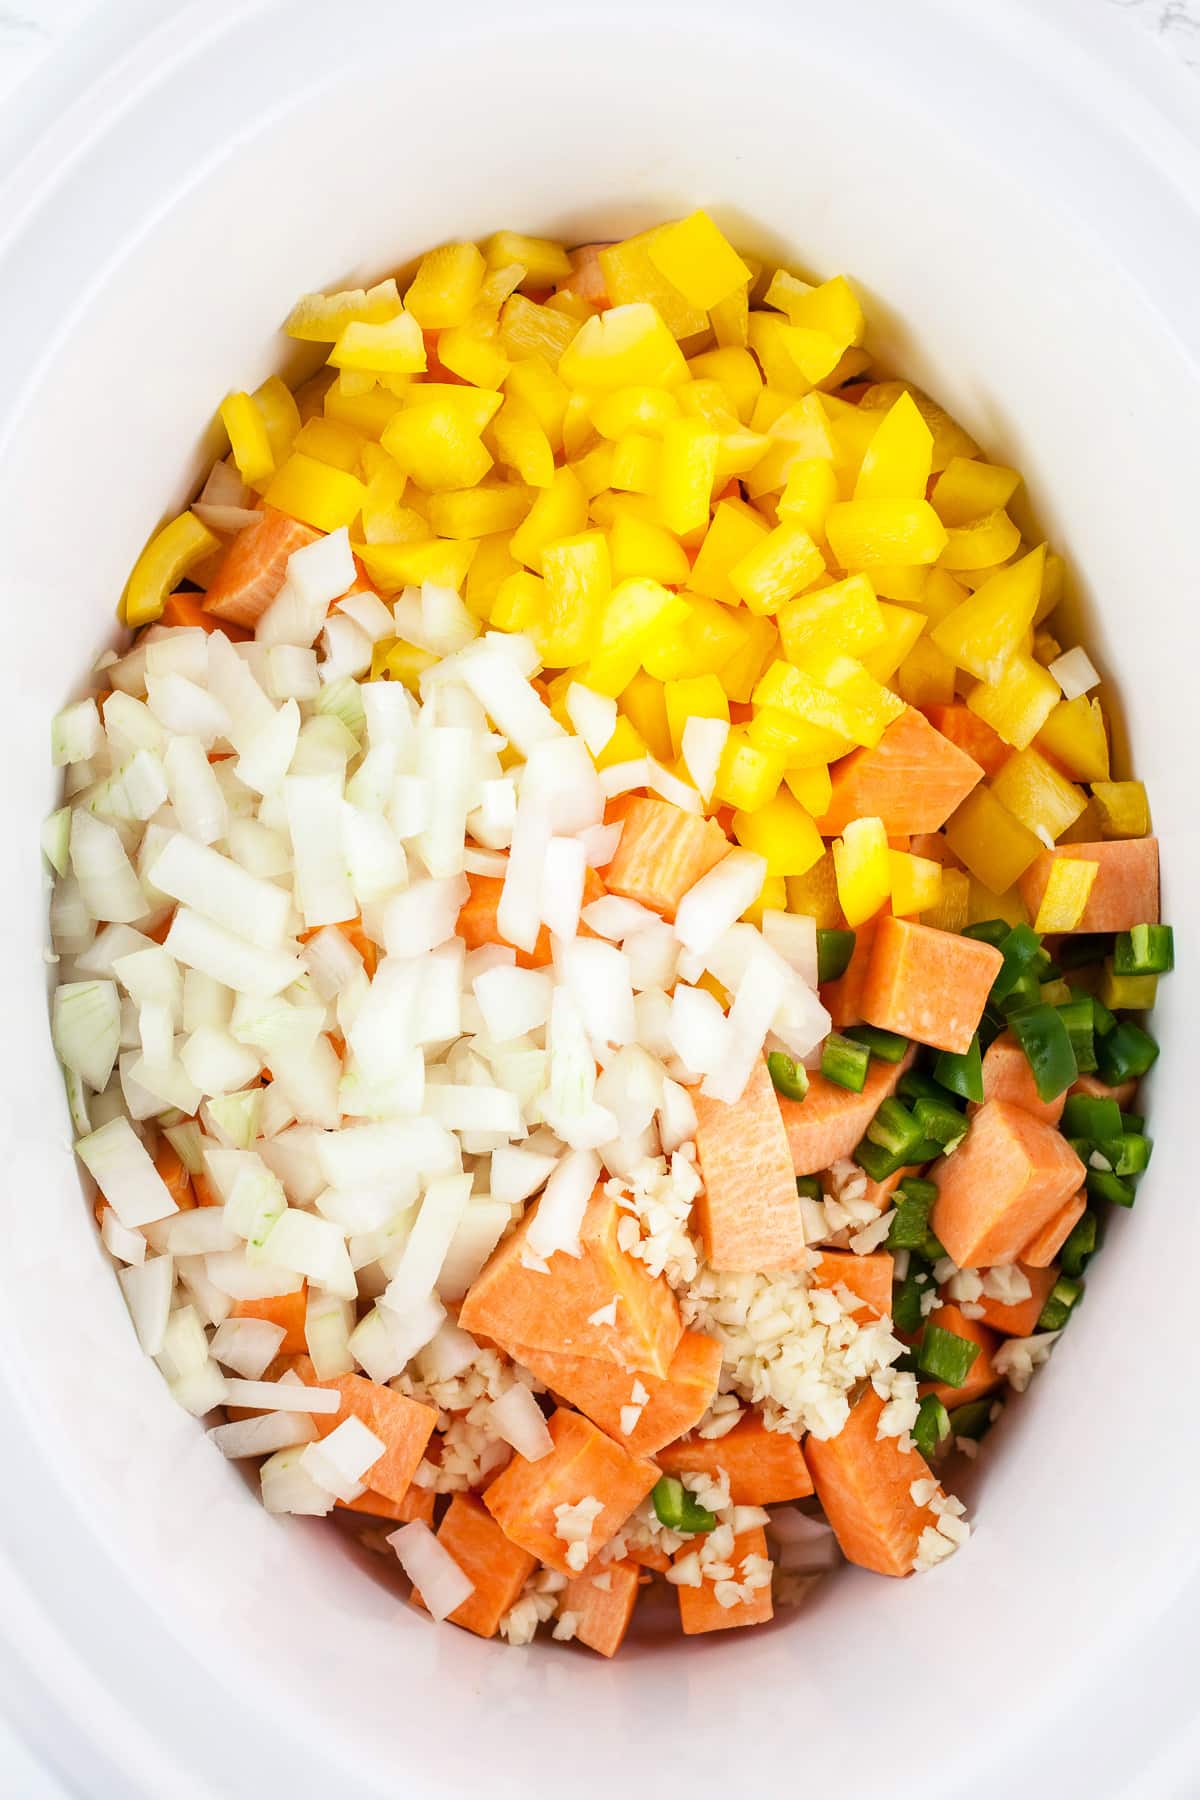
(1075, 736)
(635, 463)
(521, 442)
(1034, 792)
(937, 592)
(968, 489)
(280, 414)
(793, 357)
(698, 260)
(329, 441)
(772, 897)
(638, 547)
(527, 329)
(777, 567)
(926, 676)
(865, 533)
(578, 578)
(370, 413)
(248, 439)
(995, 847)
(393, 524)
(899, 457)
(800, 745)
(811, 490)
(695, 697)
(916, 883)
(690, 449)
(436, 437)
(644, 703)
(393, 348)
(833, 307)
(473, 354)
(781, 832)
(1124, 808)
(385, 480)
(322, 318)
(1018, 703)
(983, 544)
(989, 627)
(815, 894)
(395, 566)
(1066, 895)
(741, 674)
(1053, 584)
(800, 433)
(845, 616)
(747, 776)
(171, 552)
(735, 530)
(519, 601)
(446, 286)
(630, 275)
(1131, 993)
(737, 373)
(491, 565)
(625, 745)
(479, 511)
(949, 438)
(543, 391)
(648, 410)
(730, 320)
(985, 903)
(951, 910)
(903, 628)
(861, 863)
(543, 261)
(315, 492)
(559, 511)
(596, 470)
(627, 346)
(394, 660)
(842, 698)
(813, 788)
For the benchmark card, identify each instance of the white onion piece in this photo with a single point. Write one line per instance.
(147, 1292)
(194, 790)
(445, 756)
(697, 1029)
(108, 885)
(555, 1225)
(232, 1274)
(369, 614)
(127, 1246)
(508, 699)
(719, 899)
(267, 756)
(519, 1420)
(314, 816)
(247, 1346)
(186, 708)
(261, 1435)
(385, 1155)
(597, 977)
(283, 1396)
(341, 1461)
(112, 942)
(755, 1005)
(384, 1343)
(563, 872)
(600, 843)
(475, 1237)
(247, 968)
(513, 1001)
(195, 1233)
(328, 1322)
(424, 915)
(624, 777)
(676, 1117)
(212, 884)
(1074, 672)
(86, 1028)
(703, 745)
(121, 1167)
(76, 734)
(425, 1251)
(292, 672)
(288, 1488)
(660, 781)
(794, 937)
(473, 1107)
(593, 715)
(432, 1570)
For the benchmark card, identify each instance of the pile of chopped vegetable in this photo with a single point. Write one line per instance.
(600, 955)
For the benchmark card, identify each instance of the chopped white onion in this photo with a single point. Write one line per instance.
(262, 1434)
(718, 899)
(122, 1169)
(147, 1290)
(247, 1346)
(519, 1420)
(703, 745)
(555, 1225)
(432, 1570)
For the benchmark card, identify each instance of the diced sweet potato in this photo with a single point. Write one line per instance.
(842, 998)
(287, 1310)
(1008, 1076)
(404, 1425)
(1020, 1318)
(662, 853)
(1124, 1093)
(1008, 1178)
(418, 1503)
(498, 1567)
(863, 1482)
(981, 1377)
(749, 1213)
(927, 984)
(1124, 893)
(880, 1193)
(603, 1388)
(869, 1277)
(254, 565)
(478, 914)
(830, 1121)
(1041, 1250)
(602, 1603)
(584, 1464)
(514, 1305)
(647, 1556)
(972, 735)
(763, 1466)
(699, 1608)
(913, 779)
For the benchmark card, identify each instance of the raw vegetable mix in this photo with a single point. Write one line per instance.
(602, 964)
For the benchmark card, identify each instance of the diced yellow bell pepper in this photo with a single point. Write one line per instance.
(329, 441)
(695, 697)
(864, 533)
(1018, 704)
(845, 617)
(737, 372)
(799, 433)
(833, 307)
(781, 832)
(543, 261)
(394, 660)
(916, 883)
(1074, 734)
(862, 865)
(1034, 792)
(473, 354)
(1053, 584)
(479, 511)
(855, 686)
(730, 320)
(777, 567)
(315, 492)
(772, 897)
(1046, 648)
(437, 447)
(371, 413)
(949, 438)
(741, 673)
(985, 903)
(171, 552)
(639, 547)
(968, 489)
(988, 628)
(635, 463)
(643, 701)
(905, 585)
(386, 482)
(559, 511)
(702, 641)
(630, 275)
(394, 348)
(446, 286)
(813, 788)
(814, 894)
(771, 406)
(689, 463)
(937, 594)
(903, 627)
(851, 429)
(394, 525)
(994, 846)
(951, 910)
(627, 346)
(899, 457)
(986, 543)
(926, 676)
(322, 318)
(1124, 808)
(544, 392)
(527, 329)
(810, 492)
(596, 469)
(644, 409)
(800, 745)
(578, 578)
(747, 776)
(793, 357)
(735, 530)
(1087, 828)
(740, 452)
(625, 745)
(491, 565)
(280, 414)
(248, 439)
(791, 690)
(522, 444)
(1066, 895)
(519, 601)
(497, 285)
(698, 260)
(395, 566)
(1129, 993)
(639, 613)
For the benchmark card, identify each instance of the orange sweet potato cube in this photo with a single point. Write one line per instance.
(927, 984)
(1124, 893)
(699, 1608)
(602, 1603)
(498, 1567)
(1041, 1250)
(1008, 1076)
(763, 1466)
(913, 779)
(864, 1483)
(404, 1425)
(1019, 1318)
(831, 1120)
(662, 853)
(1007, 1179)
(584, 1465)
(981, 1376)
(603, 1388)
(748, 1213)
(868, 1277)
